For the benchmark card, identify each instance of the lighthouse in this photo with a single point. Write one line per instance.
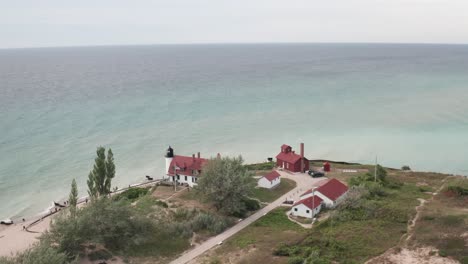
(169, 156)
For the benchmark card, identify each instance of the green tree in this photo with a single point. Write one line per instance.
(73, 198)
(100, 178)
(110, 170)
(381, 173)
(226, 183)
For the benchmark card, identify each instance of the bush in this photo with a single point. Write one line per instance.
(39, 253)
(443, 253)
(459, 190)
(406, 168)
(282, 250)
(251, 204)
(100, 255)
(132, 194)
(114, 224)
(296, 260)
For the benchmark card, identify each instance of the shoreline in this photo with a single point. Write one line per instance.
(22, 234)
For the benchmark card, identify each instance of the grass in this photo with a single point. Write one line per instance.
(256, 242)
(443, 223)
(359, 240)
(265, 166)
(270, 195)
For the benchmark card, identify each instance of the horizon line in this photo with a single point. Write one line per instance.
(233, 43)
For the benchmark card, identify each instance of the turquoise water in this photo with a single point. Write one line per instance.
(408, 104)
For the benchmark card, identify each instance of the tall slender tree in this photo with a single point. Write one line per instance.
(100, 178)
(110, 170)
(73, 198)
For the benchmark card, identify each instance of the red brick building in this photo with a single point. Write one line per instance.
(289, 160)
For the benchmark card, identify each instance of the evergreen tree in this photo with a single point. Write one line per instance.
(73, 198)
(110, 170)
(100, 178)
(92, 191)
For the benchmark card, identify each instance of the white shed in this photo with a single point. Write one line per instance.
(270, 180)
(308, 207)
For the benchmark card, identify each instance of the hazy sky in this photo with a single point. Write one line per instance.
(37, 23)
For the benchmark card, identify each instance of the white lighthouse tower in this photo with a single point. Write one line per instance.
(169, 156)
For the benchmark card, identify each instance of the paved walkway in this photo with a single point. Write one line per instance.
(303, 182)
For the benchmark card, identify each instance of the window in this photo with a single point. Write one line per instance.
(185, 178)
(307, 211)
(178, 177)
(193, 179)
(295, 209)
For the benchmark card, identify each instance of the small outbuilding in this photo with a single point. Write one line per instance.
(331, 191)
(270, 180)
(308, 207)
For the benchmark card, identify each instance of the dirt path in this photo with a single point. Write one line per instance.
(402, 253)
(410, 231)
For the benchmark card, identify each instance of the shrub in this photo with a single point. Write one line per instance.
(132, 194)
(114, 224)
(282, 250)
(100, 255)
(459, 190)
(443, 253)
(296, 260)
(39, 253)
(251, 204)
(406, 168)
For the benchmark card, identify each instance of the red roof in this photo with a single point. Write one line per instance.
(272, 175)
(332, 189)
(289, 157)
(311, 202)
(185, 165)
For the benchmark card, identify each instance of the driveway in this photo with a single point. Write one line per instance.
(303, 183)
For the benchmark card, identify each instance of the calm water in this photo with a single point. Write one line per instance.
(408, 104)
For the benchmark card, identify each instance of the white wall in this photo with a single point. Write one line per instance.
(265, 183)
(185, 179)
(327, 202)
(301, 210)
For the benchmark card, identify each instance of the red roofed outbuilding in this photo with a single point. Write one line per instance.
(289, 160)
(331, 191)
(270, 180)
(307, 207)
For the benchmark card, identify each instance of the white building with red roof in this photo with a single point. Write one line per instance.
(184, 169)
(270, 180)
(331, 191)
(307, 207)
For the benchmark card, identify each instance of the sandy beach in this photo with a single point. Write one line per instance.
(14, 239)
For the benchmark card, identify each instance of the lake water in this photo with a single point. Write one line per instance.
(408, 104)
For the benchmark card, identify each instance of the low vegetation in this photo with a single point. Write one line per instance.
(443, 222)
(270, 195)
(354, 232)
(265, 166)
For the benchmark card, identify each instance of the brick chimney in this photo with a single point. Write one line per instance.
(193, 156)
(302, 157)
(198, 155)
